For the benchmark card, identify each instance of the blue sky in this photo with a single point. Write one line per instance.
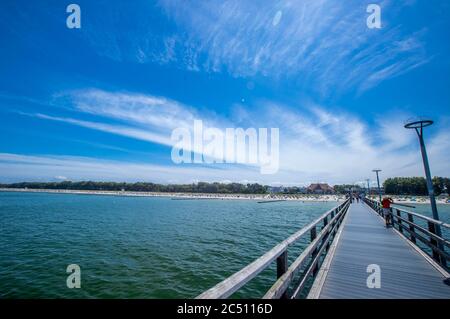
(101, 102)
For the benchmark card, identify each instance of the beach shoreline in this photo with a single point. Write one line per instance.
(220, 196)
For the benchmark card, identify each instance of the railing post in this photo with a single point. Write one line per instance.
(433, 242)
(282, 264)
(400, 226)
(411, 228)
(376, 206)
(325, 222)
(314, 253)
(313, 233)
(328, 244)
(282, 267)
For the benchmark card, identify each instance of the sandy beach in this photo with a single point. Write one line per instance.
(415, 199)
(297, 197)
(186, 196)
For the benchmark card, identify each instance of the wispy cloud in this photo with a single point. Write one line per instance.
(288, 51)
(324, 42)
(142, 117)
(151, 112)
(315, 144)
(128, 131)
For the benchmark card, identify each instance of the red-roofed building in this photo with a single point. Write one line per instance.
(320, 188)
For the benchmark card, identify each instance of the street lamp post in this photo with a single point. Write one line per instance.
(418, 125)
(368, 187)
(378, 182)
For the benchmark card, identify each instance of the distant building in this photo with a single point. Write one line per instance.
(276, 189)
(320, 188)
(287, 190)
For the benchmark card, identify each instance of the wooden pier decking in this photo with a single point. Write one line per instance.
(344, 246)
(364, 240)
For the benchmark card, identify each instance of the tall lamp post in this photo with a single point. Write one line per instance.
(418, 125)
(378, 182)
(368, 187)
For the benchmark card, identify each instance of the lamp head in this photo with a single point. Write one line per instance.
(420, 122)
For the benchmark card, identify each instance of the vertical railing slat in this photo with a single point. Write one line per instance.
(400, 224)
(411, 228)
(433, 242)
(282, 267)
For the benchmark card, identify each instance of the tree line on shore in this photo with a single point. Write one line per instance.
(415, 186)
(404, 186)
(394, 186)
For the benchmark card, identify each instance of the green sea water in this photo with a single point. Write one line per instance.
(138, 247)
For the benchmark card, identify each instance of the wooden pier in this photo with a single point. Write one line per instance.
(344, 245)
(405, 271)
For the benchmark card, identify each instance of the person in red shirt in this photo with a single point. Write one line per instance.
(386, 204)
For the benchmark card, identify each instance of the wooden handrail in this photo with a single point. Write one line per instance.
(428, 219)
(282, 284)
(423, 230)
(428, 243)
(233, 283)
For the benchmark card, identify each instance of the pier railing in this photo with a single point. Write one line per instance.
(320, 234)
(420, 229)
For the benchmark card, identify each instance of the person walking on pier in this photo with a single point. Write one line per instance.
(386, 204)
(361, 197)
